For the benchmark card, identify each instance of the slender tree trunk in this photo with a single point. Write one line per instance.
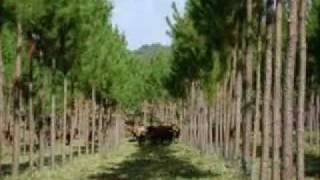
(301, 92)
(238, 118)
(31, 115)
(311, 116)
(53, 130)
(31, 127)
(76, 126)
(17, 103)
(260, 57)
(2, 99)
(218, 122)
(117, 137)
(93, 121)
(232, 99)
(221, 123)
(53, 117)
(42, 144)
(23, 135)
(73, 120)
(210, 128)
(216, 127)
(100, 129)
(318, 122)
(289, 94)
(43, 123)
(267, 98)
(64, 124)
(87, 123)
(181, 119)
(80, 120)
(248, 86)
(316, 118)
(277, 118)
(226, 119)
(257, 118)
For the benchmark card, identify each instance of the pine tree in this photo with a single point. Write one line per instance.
(289, 94)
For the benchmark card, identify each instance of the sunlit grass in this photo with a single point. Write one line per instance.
(131, 162)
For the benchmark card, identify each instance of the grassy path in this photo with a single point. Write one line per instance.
(131, 162)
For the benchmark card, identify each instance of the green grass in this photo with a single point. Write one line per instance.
(141, 163)
(312, 162)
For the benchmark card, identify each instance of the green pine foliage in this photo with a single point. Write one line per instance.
(87, 50)
(313, 28)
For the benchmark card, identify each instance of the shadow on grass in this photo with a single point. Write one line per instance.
(6, 168)
(152, 163)
(312, 163)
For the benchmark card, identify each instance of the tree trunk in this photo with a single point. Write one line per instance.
(31, 115)
(73, 121)
(226, 120)
(238, 118)
(315, 119)
(80, 120)
(23, 135)
(210, 128)
(216, 123)
(218, 118)
(17, 103)
(257, 117)
(53, 117)
(248, 86)
(31, 127)
(311, 116)
(64, 124)
(87, 123)
(260, 56)
(52, 131)
(100, 129)
(93, 121)
(2, 99)
(318, 122)
(232, 91)
(42, 144)
(277, 118)
(76, 127)
(267, 98)
(43, 123)
(289, 93)
(221, 123)
(117, 138)
(301, 92)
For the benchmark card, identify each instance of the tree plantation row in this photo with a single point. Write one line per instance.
(240, 79)
(248, 72)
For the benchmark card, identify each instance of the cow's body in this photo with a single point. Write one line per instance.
(154, 134)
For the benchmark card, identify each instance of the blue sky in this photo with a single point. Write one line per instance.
(143, 21)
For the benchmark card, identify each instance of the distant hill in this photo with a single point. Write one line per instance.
(149, 51)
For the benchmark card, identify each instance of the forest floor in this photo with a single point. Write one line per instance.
(312, 162)
(131, 162)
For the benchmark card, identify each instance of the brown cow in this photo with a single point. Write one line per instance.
(153, 134)
(162, 134)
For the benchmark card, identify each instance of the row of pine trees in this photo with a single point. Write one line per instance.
(66, 81)
(241, 69)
